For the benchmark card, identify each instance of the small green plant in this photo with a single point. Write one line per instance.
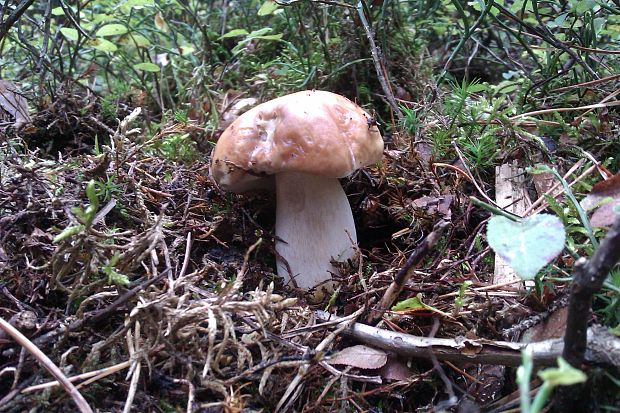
(583, 218)
(481, 150)
(108, 189)
(114, 277)
(180, 116)
(563, 375)
(416, 304)
(460, 298)
(109, 107)
(456, 101)
(440, 139)
(609, 301)
(410, 121)
(84, 215)
(470, 126)
(176, 147)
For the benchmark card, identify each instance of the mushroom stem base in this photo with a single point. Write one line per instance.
(314, 224)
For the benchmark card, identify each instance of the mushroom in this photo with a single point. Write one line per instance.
(302, 143)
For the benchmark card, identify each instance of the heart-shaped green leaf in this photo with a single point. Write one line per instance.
(529, 245)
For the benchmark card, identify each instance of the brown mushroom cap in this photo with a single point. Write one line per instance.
(315, 132)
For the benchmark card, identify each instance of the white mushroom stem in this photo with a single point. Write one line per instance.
(315, 223)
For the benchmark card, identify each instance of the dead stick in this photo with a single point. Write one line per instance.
(603, 347)
(48, 365)
(405, 273)
(588, 278)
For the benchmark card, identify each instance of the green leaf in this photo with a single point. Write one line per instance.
(476, 87)
(416, 304)
(113, 29)
(269, 37)
(101, 18)
(147, 67)
(558, 21)
(529, 245)
(134, 40)
(103, 45)
(234, 33)
(70, 33)
(524, 373)
(58, 11)
(138, 3)
(260, 32)
(477, 5)
(413, 303)
(114, 277)
(458, 301)
(68, 232)
(563, 375)
(140, 41)
(186, 50)
(91, 193)
(267, 8)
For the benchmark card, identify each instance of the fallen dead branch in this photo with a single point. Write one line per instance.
(603, 348)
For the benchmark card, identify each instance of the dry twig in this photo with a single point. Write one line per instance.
(603, 348)
(48, 365)
(405, 273)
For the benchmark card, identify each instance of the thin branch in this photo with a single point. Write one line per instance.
(95, 315)
(603, 347)
(47, 364)
(6, 25)
(567, 109)
(547, 38)
(96, 374)
(294, 388)
(405, 273)
(468, 32)
(376, 58)
(587, 84)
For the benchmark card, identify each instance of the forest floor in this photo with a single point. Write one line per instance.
(154, 290)
(164, 285)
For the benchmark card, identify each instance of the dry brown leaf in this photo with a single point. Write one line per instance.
(395, 369)
(543, 182)
(605, 197)
(434, 205)
(13, 103)
(360, 356)
(160, 23)
(553, 327)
